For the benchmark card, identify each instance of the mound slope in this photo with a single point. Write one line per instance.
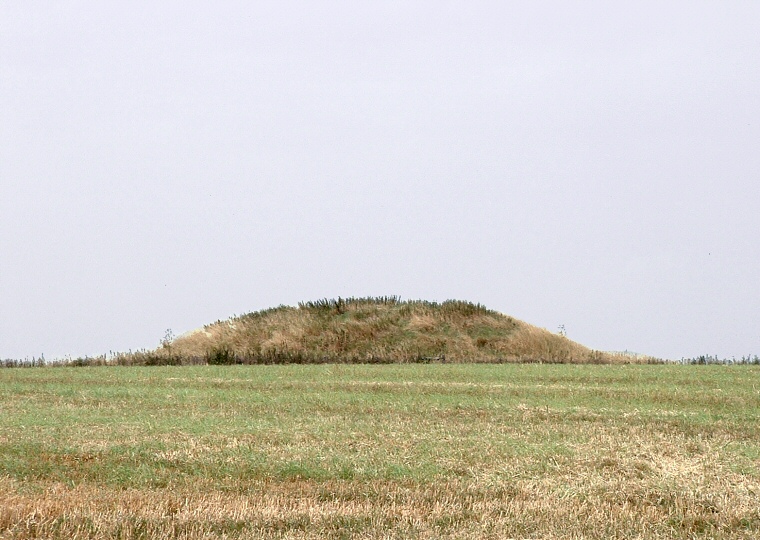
(380, 330)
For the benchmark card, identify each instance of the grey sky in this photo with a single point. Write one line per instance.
(592, 164)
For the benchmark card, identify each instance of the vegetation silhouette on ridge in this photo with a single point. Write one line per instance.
(373, 330)
(366, 330)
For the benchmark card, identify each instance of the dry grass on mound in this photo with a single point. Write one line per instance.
(382, 330)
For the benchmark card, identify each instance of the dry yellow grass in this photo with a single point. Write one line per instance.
(378, 330)
(607, 498)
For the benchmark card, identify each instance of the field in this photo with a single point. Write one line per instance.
(391, 451)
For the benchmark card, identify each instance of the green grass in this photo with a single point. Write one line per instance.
(511, 450)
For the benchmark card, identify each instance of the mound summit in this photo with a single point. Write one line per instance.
(376, 330)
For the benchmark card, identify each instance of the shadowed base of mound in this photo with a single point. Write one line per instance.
(373, 330)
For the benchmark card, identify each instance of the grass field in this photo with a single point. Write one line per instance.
(393, 451)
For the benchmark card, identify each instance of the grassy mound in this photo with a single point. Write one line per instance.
(375, 330)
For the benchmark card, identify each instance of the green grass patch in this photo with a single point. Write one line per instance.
(677, 443)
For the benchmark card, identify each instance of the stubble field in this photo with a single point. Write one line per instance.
(392, 451)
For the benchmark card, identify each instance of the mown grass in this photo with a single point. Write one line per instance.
(397, 451)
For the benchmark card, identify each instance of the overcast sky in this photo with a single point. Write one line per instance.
(588, 164)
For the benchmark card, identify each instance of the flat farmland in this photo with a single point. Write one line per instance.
(389, 451)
